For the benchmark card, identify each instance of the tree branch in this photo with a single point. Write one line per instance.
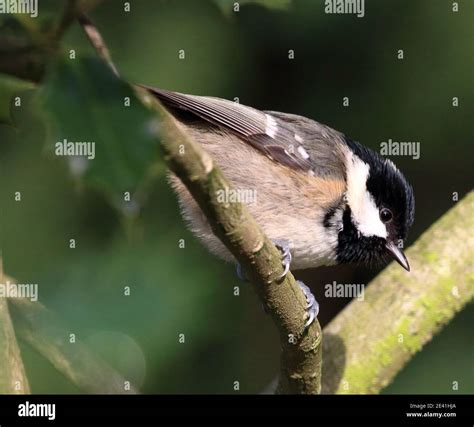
(370, 341)
(285, 302)
(231, 222)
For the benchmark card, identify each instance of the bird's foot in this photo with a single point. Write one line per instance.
(284, 248)
(312, 306)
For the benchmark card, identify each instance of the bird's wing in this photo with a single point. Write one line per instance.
(265, 131)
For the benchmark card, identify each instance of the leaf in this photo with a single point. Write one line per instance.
(87, 103)
(10, 87)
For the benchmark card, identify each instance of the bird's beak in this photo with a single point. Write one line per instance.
(398, 255)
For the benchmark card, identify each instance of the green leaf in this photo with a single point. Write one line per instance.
(10, 87)
(86, 102)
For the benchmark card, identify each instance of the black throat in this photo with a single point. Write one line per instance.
(354, 247)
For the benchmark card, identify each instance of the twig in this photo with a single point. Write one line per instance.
(73, 9)
(97, 41)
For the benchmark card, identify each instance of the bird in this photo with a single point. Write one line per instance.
(323, 198)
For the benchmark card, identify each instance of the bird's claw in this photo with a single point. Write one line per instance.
(240, 273)
(312, 306)
(284, 248)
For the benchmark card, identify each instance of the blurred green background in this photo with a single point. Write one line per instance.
(186, 291)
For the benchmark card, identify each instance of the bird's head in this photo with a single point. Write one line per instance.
(378, 209)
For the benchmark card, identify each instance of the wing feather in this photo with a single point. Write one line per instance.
(277, 138)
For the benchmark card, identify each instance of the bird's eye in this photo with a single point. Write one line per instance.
(386, 215)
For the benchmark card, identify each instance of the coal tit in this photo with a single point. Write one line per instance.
(323, 198)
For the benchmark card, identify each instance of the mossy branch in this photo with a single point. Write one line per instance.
(370, 341)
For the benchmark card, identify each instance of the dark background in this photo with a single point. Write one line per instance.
(229, 338)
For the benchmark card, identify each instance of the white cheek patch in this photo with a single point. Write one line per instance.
(364, 211)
